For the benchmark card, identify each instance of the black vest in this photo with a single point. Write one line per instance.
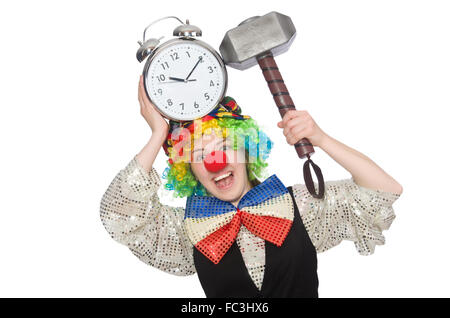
(291, 270)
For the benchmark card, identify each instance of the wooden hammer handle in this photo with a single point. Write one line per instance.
(282, 98)
(284, 103)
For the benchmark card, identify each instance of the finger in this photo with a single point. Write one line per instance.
(142, 90)
(146, 102)
(291, 122)
(293, 126)
(287, 132)
(289, 137)
(287, 129)
(292, 139)
(141, 103)
(294, 114)
(296, 131)
(303, 114)
(296, 134)
(289, 115)
(294, 122)
(140, 87)
(142, 100)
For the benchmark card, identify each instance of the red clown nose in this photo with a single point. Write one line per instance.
(215, 161)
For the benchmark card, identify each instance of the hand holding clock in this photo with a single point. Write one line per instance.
(173, 60)
(155, 120)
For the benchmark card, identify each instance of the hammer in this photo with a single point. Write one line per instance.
(256, 41)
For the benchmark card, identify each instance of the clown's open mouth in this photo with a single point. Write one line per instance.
(224, 181)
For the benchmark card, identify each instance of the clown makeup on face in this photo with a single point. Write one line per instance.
(188, 146)
(227, 181)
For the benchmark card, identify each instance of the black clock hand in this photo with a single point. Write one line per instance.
(181, 80)
(199, 60)
(175, 80)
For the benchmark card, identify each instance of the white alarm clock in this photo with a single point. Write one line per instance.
(184, 78)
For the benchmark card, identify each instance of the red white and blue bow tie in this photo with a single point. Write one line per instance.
(212, 224)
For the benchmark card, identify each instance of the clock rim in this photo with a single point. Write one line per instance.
(200, 43)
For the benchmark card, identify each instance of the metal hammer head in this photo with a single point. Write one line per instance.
(272, 33)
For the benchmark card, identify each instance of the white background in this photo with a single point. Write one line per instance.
(373, 74)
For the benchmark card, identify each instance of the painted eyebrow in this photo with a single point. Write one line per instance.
(220, 141)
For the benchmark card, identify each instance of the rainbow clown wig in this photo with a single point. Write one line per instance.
(225, 121)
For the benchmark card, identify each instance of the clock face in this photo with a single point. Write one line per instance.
(185, 79)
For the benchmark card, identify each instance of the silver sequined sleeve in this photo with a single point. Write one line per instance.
(132, 214)
(347, 212)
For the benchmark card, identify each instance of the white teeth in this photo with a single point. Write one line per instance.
(222, 176)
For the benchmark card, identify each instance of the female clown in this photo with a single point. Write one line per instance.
(242, 236)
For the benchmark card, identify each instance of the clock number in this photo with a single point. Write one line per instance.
(169, 102)
(174, 56)
(188, 54)
(206, 96)
(196, 105)
(161, 78)
(210, 69)
(160, 91)
(211, 83)
(182, 106)
(166, 64)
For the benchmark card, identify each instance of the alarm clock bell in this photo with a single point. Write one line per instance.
(146, 47)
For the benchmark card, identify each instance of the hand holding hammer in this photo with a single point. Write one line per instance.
(256, 41)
